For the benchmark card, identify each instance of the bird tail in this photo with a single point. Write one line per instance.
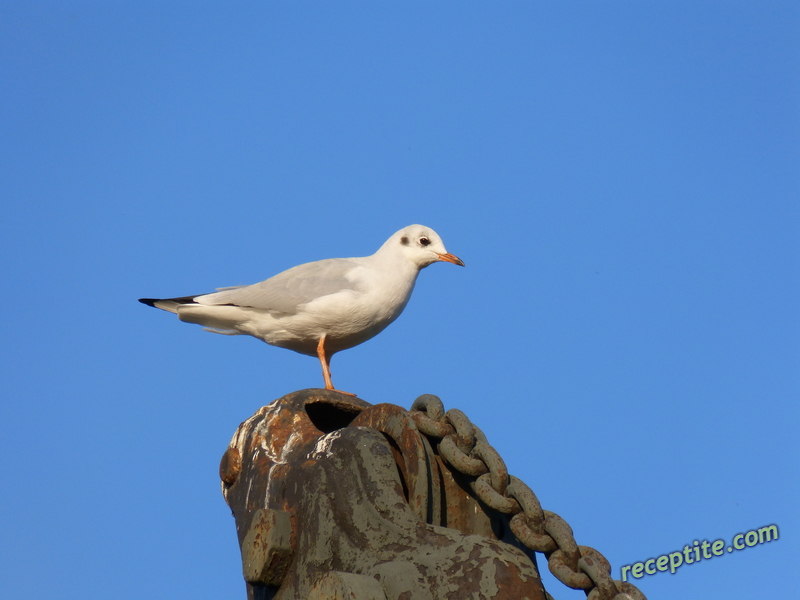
(217, 319)
(168, 304)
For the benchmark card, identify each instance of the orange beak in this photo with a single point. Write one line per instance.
(452, 259)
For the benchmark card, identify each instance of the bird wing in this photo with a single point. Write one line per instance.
(286, 292)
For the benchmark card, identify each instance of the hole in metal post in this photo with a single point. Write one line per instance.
(329, 417)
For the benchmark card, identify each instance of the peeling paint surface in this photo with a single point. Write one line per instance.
(370, 502)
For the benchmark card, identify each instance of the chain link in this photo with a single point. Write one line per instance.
(597, 568)
(498, 473)
(428, 413)
(459, 459)
(627, 591)
(465, 448)
(483, 489)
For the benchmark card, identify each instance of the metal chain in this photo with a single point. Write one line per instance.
(466, 449)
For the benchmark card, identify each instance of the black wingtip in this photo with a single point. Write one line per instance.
(149, 301)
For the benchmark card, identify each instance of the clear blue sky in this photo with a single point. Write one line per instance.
(620, 178)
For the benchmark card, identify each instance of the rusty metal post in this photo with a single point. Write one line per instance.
(335, 498)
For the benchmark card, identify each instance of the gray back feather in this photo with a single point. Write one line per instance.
(286, 291)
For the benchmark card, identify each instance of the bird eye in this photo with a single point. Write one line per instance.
(424, 241)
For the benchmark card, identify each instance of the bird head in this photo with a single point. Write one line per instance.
(421, 245)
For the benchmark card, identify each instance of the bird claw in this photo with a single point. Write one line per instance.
(343, 392)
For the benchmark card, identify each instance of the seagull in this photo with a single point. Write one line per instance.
(323, 307)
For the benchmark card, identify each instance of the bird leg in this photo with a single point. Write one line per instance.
(325, 361)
